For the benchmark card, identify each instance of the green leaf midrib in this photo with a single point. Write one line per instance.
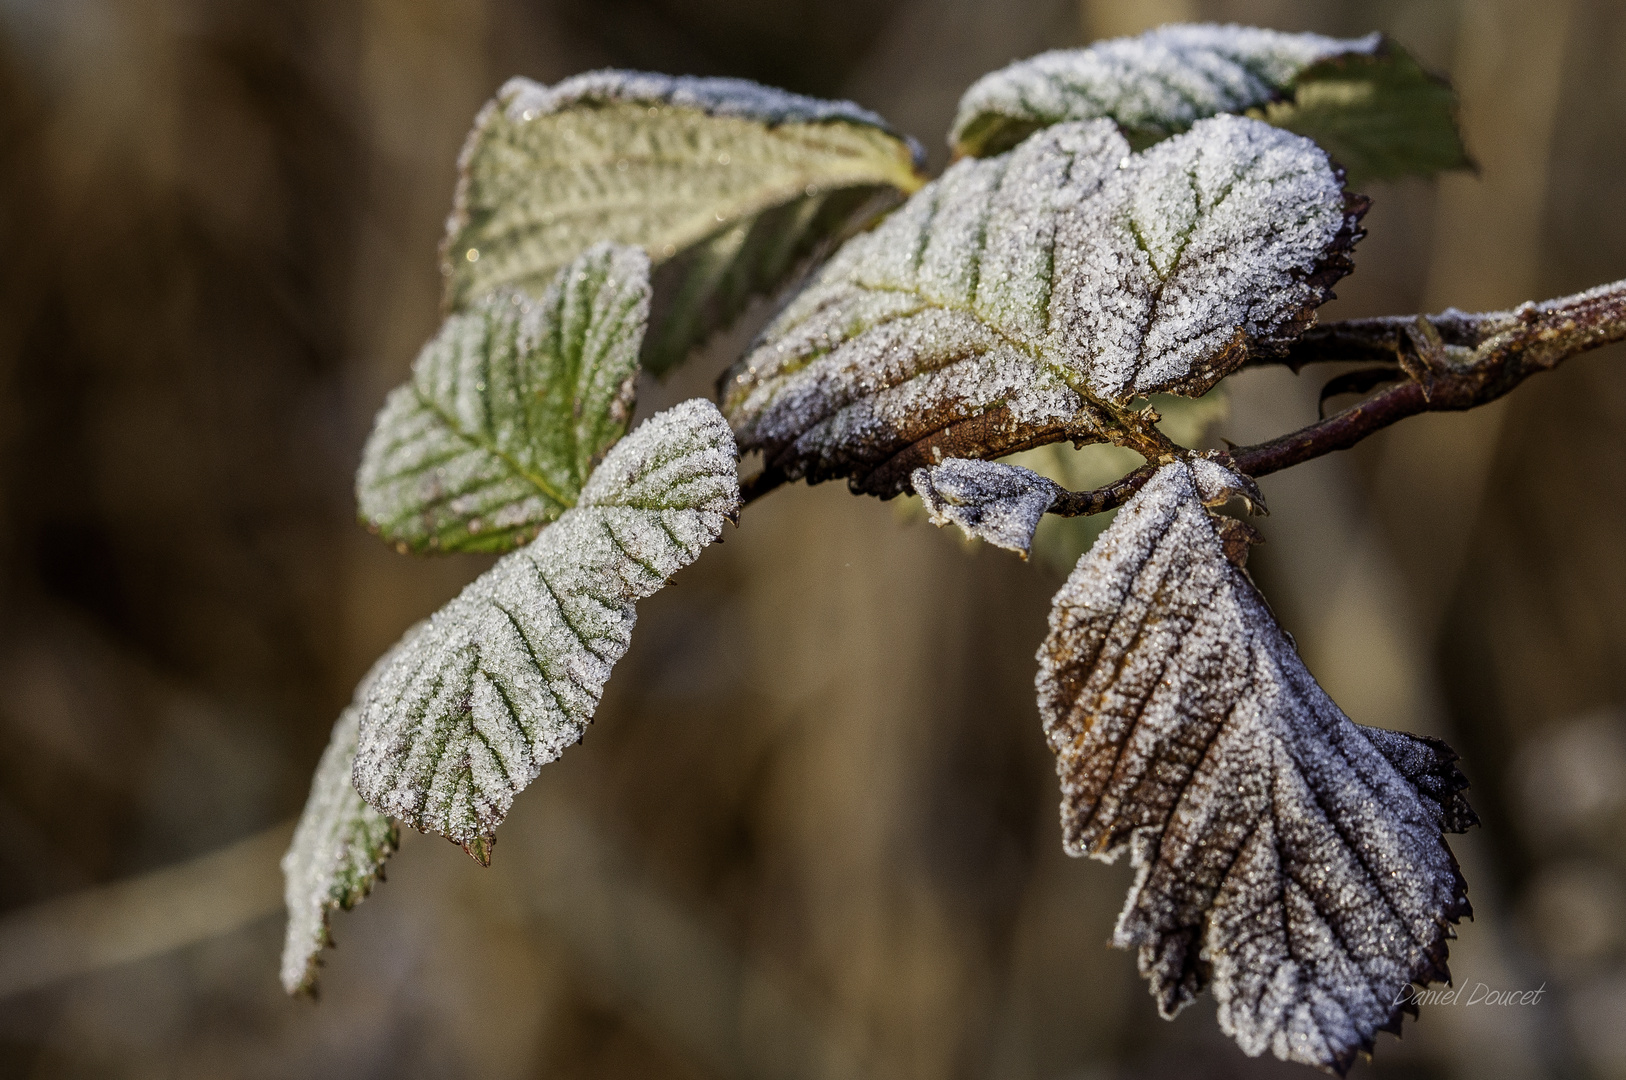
(489, 446)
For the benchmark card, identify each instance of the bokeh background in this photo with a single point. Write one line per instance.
(813, 831)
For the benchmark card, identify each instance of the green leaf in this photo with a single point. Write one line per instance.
(746, 179)
(1365, 100)
(339, 847)
(1380, 116)
(1029, 297)
(508, 410)
(509, 673)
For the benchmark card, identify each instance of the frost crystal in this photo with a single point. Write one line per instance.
(509, 408)
(339, 847)
(505, 676)
(1156, 84)
(1001, 504)
(732, 182)
(1013, 295)
(1286, 854)
(740, 98)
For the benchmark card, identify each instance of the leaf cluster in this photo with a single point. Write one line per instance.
(1142, 217)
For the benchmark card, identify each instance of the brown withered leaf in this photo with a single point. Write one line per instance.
(1288, 857)
(1028, 297)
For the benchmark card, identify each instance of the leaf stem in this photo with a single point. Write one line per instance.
(1453, 361)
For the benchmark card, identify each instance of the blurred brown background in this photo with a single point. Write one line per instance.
(813, 831)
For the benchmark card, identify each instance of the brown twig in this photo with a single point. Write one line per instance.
(1454, 361)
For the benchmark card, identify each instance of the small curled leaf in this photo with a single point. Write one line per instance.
(339, 847)
(508, 410)
(731, 183)
(508, 674)
(1000, 504)
(1364, 100)
(1289, 858)
(1027, 297)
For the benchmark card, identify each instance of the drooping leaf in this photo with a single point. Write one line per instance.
(736, 182)
(508, 410)
(1013, 298)
(999, 504)
(1365, 100)
(1287, 856)
(1381, 116)
(509, 673)
(339, 848)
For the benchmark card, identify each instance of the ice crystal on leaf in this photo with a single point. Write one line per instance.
(729, 182)
(1365, 100)
(508, 410)
(1011, 299)
(1153, 85)
(1000, 504)
(506, 676)
(339, 848)
(1288, 857)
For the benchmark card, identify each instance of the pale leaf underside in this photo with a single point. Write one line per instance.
(1364, 100)
(338, 850)
(507, 675)
(1011, 299)
(508, 410)
(999, 504)
(1380, 115)
(1288, 857)
(752, 178)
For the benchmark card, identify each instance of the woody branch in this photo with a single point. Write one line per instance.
(1443, 363)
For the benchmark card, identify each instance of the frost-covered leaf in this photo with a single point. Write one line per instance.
(736, 183)
(1365, 100)
(1286, 855)
(1005, 303)
(1151, 86)
(508, 410)
(507, 675)
(339, 847)
(1000, 504)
